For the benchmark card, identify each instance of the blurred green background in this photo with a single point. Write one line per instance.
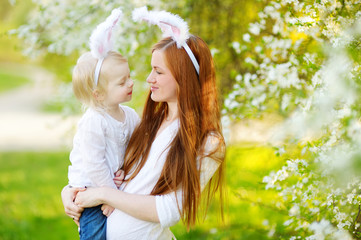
(31, 182)
(31, 178)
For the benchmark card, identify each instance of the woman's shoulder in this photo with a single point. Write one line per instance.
(214, 143)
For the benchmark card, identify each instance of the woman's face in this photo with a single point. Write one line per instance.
(162, 83)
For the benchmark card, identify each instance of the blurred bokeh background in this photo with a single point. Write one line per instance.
(38, 114)
(288, 74)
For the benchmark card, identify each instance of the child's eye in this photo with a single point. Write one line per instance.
(158, 72)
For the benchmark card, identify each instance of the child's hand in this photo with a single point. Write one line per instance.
(107, 210)
(119, 177)
(68, 195)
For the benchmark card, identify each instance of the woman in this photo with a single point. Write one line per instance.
(176, 151)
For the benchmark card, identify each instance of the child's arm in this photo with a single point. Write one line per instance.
(93, 147)
(119, 177)
(71, 209)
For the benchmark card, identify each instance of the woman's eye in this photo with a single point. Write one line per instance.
(158, 72)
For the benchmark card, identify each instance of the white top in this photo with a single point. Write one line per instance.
(99, 147)
(123, 226)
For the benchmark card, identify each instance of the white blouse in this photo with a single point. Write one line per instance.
(123, 226)
(99, 147)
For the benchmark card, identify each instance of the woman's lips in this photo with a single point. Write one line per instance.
(153, 89)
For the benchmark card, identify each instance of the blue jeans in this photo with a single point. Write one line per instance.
(93, 224)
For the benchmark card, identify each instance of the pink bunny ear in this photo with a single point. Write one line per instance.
(101, 49)
(176, 31)
(166, 29)
(171, 25)
(101, 41)
(169, 30)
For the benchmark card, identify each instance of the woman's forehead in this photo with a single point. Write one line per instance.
(158, 59)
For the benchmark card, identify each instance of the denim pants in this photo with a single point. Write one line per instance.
(93, 224)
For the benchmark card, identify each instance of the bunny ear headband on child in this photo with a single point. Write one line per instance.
(101, 42)
(171, 25)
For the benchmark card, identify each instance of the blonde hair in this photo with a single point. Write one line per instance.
(83, 77)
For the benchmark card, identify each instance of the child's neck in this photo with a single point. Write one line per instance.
(116, 112)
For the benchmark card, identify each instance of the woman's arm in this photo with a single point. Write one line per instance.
(161, 209)
(169, 206)
(139, 206)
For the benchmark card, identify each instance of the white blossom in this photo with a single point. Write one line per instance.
(236, 47)
(246, 37)
(255, 28)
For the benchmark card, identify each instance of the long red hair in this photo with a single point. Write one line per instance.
(199, 117)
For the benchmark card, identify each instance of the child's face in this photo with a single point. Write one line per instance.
(120, 85)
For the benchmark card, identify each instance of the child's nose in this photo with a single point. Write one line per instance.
(131, 83)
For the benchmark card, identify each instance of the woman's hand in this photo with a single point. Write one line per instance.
(119, 177)
(90, 197)
(107, 210)
(68, 195)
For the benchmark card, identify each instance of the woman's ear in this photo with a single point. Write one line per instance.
(99, 96)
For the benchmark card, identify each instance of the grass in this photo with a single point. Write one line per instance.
(10, 80)
(30, 185)
(249, 204)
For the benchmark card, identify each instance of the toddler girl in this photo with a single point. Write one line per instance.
(103, 132)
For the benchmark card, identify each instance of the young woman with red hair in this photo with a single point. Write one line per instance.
(174, 162)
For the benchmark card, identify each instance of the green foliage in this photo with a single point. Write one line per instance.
(11, 17)
(303, 61)
(15, 14)
(10, 80)
(220, 23)
(60, 65)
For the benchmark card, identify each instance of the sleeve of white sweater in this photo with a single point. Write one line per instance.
(167, 207)
(92, 148)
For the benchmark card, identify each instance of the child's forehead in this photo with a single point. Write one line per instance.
(122, 68)
(112, 65)
(116, 71)
(115, 61)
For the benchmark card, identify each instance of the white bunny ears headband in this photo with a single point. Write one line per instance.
(101, 41)
(171, 25)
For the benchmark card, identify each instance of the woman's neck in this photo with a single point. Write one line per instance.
(172, 112)
(169, 118)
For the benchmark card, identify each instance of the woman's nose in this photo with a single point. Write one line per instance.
(150, 78)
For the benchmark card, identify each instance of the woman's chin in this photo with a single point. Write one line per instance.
(154, 98)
